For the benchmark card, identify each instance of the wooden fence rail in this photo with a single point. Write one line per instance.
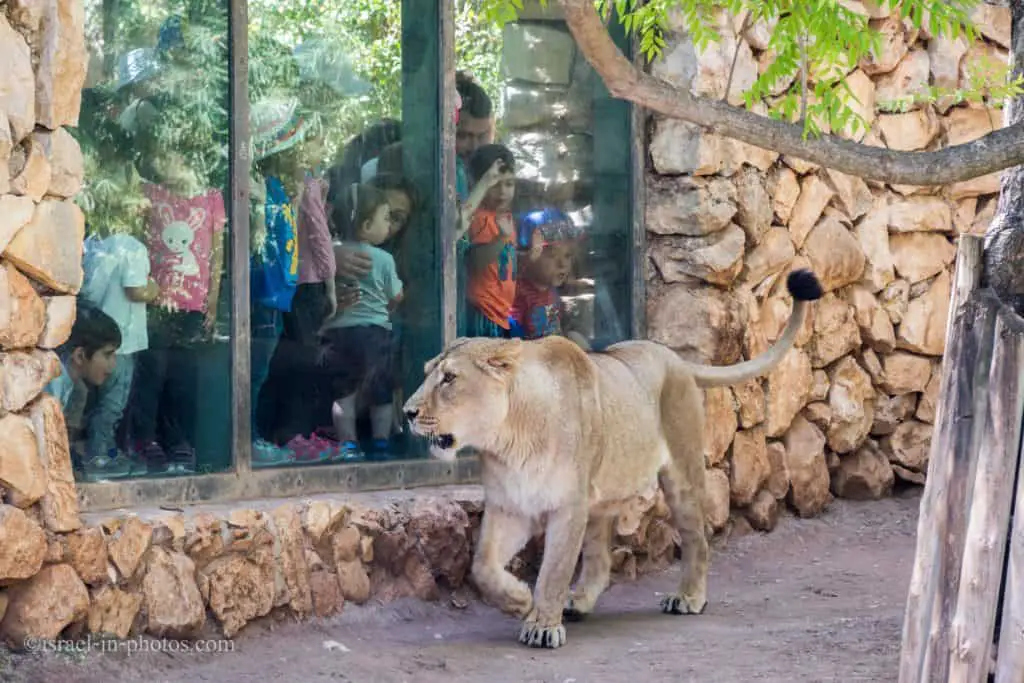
(974, 476)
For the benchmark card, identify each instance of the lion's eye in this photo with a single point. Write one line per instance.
(448, 378)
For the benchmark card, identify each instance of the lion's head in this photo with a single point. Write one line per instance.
(464, 398)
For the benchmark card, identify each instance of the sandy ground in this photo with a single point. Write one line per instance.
(816, 600)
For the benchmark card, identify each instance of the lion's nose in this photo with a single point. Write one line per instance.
(411, 414)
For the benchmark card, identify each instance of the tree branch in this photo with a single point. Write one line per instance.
(993, 152)
(736, 54)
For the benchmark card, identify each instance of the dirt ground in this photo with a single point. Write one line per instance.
(816, 600)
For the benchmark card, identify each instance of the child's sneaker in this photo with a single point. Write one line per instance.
(183, 460)
(380, 450)
(349, 452)
(266, 454)
(152, 455)
(307, 451)
(104, 468)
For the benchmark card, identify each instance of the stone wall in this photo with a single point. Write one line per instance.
(41, 230)
(213, 569)
(850, 410)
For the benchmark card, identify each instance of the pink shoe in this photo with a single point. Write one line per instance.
(306, 452)
(326, 447)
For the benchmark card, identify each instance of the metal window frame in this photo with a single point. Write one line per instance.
(245, 483)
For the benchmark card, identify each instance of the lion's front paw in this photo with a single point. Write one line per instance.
(680, 604)
(536, 635)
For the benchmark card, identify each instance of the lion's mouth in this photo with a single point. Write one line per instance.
(442, 441)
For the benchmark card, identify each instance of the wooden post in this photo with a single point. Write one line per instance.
(952, 508)
(981, 572)
(1010, 658)
(955, 400)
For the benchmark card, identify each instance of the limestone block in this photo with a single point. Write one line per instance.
(67, 167)
(174, 606)
(44, 605)
(905, 372)
(113, 611)
(908, 445)
(835, 254)
(87, 550)
(864, 475)
(750, 466)
(690, 206)
(787, 390)
(701, 323)
(918, 256)
(23, 374)
(836, 332)
(59, 314)
(908, 82)
(49, 248)
(30, 174)
(17, 83)
(21, 472)
(815, 194)
(60, 502)
(288, 526)
(716, 509)
(891, 411)
(891, 50)
(720, 424)
(909, 131)
(805, 461)
(920, 214)
(923, 329)
(852, 401)
(63, 59)
(22, 544)
(15, 213)
(22, 312)
(715, 258)
(128, 544)
(754, 204)
(778, 480)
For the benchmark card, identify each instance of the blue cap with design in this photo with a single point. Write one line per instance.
(553, 225)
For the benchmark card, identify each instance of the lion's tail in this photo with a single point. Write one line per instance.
(804, 287)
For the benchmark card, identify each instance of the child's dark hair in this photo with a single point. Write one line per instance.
(475, 101)
(93, 330)
(361, 202)
(394, 181)
(485, 156)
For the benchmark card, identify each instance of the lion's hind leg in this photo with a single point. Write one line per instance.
(682, 481)
(595, 575)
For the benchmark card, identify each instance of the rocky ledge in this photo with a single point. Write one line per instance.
(185, 574)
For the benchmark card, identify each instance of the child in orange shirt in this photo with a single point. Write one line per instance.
(491, 259)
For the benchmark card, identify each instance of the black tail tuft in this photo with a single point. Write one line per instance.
(803, 285)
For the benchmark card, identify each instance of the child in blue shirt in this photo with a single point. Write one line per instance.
(88, 359)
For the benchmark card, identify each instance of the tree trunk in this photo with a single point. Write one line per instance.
(1004, 242)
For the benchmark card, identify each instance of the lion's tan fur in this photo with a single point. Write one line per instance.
(568, 442)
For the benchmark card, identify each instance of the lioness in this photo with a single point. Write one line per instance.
(567, 440)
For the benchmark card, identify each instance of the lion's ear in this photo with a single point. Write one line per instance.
(429, 366)
(503, 358)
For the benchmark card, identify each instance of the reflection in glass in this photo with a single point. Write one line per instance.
(339, 270)
(560, 238)
(154, 132)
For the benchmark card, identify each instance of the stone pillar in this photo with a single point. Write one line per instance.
(42, 48)
(850, 410)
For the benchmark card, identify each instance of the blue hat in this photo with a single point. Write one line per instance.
(554, 226)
